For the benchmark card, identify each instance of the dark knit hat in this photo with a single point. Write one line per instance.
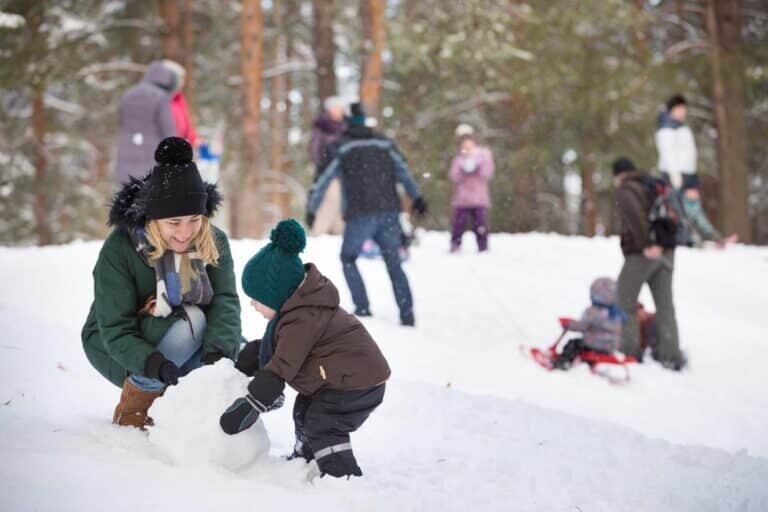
(677, 99)
(175, 187)
(356, 114)
(276, 271)
(623, 164)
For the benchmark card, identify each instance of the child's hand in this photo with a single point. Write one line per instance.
(248, 359)
(245, 411)
(241, 414)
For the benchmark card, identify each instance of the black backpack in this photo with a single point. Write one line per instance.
(669, 226)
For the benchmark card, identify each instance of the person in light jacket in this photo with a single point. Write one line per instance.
(471, 170)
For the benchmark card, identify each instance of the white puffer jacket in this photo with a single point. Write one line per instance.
(677, 150)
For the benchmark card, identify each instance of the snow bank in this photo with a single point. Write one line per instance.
(467, 423)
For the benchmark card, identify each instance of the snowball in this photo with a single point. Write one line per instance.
(187, 421)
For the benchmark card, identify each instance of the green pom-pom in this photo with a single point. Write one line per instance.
(289, 236)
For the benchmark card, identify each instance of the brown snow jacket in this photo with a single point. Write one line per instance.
(319, 345)
(633, 203)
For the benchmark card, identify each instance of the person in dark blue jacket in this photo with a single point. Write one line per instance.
(369, 166)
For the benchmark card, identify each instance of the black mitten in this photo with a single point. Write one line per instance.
(248, 360)
(241, 415)
(244, 411)
(266, 387)
(211, 357)
(339, 464)
(420, 206)
(158, 367)
(169, 373)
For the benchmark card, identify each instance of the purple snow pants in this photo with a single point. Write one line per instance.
(479, 226)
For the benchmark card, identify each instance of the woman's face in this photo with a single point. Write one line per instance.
(467, 146)
(178, 232)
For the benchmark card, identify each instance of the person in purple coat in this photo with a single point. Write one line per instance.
(471, 170)
(145, 118)
(327, 129)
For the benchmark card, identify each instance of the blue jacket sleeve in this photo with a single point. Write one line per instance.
(321, 186)
(403, 174)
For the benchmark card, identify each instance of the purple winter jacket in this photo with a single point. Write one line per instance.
(325, 131)
(470, 174)
(145, 119)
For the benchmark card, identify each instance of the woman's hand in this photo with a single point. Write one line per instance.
(169, 373)
(211, 357)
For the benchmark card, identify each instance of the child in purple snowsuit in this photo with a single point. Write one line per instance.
(470, 172)
(601, 324)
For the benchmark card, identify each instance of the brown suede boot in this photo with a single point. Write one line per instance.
(134, 405)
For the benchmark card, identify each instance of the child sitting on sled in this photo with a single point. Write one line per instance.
(601, 325)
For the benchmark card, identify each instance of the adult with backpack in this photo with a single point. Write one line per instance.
(648, 239)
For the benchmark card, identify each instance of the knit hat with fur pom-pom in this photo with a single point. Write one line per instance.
(276, 271)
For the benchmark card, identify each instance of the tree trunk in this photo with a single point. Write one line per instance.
(170, 30)
(278, 117)
(41, 206)
(324, 48)
(588, 197)
(246, 216)
(178, 40)
(187, 57)
(292, 17)
(589, 136)
(374, 34)
(724, 28)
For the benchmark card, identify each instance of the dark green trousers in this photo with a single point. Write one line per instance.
(638, 270)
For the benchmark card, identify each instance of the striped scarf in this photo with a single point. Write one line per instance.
(181, 277)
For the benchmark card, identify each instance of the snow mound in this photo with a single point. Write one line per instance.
(187, 421)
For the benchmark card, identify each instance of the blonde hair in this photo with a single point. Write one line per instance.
(204, 242)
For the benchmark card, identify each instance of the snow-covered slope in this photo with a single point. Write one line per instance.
(466, 423)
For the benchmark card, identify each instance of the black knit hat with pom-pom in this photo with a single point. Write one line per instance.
(175, 187)
(276, 271)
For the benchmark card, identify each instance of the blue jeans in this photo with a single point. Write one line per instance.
(182, 344)
(384, 229)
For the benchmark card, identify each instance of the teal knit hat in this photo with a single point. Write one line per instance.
(274, 273)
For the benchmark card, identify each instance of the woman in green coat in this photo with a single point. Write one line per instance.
(165, 301)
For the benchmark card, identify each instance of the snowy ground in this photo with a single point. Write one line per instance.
(466, 423)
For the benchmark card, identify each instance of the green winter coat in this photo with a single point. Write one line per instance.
(117, 338)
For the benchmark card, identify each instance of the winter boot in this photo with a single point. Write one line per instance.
(134, 404)
(570, 352)
(339, 464)
(301, 450)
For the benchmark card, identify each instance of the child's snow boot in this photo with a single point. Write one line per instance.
(571, 350)
(134, 405)
(338, 464)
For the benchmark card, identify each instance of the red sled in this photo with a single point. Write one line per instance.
(600, 364)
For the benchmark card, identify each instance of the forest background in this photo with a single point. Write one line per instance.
(557, 88)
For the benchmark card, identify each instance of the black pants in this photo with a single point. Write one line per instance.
(571, 351)
(323, 421)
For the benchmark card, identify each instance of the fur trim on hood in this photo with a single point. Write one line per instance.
(129, 205)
